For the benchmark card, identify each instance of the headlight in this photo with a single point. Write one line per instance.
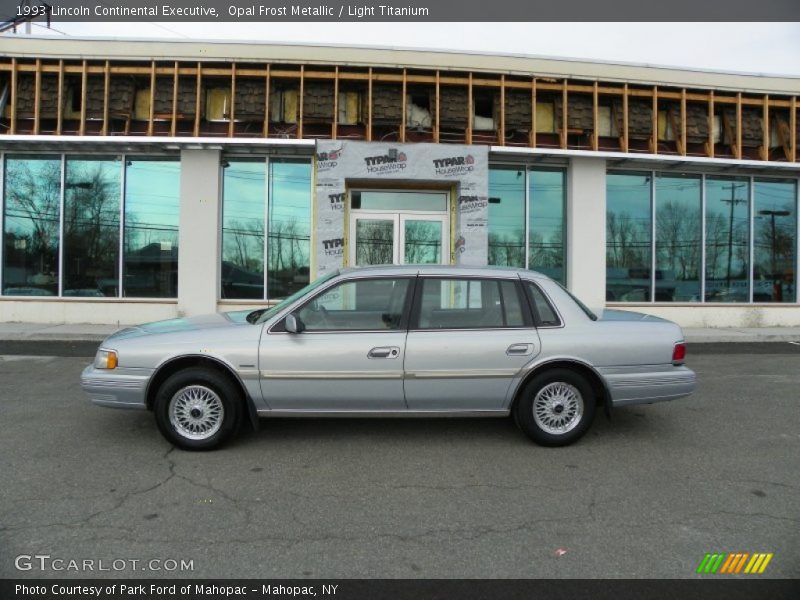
(105, 359)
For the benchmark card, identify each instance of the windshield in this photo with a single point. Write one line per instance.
(272, 311)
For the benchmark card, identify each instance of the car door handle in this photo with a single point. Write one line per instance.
(519, 349)
(384, 352)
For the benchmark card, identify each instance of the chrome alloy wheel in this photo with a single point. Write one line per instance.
(196, 412)
(558, 408)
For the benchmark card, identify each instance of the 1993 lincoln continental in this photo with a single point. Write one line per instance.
(395, 341)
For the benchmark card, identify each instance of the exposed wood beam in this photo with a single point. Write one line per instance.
(198, 97)
(60, 109)
(267, 77)
(335, 120)
(404, 108)
(37, 96)
(12, 105)
(84, 79)
(369, 106)
(151, 115)
(654, 122)
(739, 125)
(625, 121)
(564, 116)
(232, 111)
(595, 118)
(300, 103)
(532, 136)
(173, 126)
(106, 95)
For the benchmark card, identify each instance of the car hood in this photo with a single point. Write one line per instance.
(608, 314)
(184, 324)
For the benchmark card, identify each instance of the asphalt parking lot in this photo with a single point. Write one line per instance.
(645, 494)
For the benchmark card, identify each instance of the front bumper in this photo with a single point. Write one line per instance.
(116, 388)
(647, 386)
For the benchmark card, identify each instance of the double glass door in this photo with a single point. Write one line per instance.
(400, 238)
(400, 227)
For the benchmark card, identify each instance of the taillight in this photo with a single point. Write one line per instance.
(679, 354)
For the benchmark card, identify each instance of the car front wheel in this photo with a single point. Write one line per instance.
(556, 407)
(197, 409)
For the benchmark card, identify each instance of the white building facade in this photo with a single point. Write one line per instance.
(146, 181)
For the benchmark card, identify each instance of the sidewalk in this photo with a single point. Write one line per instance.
(96, 333)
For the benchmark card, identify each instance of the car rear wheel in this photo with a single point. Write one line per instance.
(556, 407)
(198, 409)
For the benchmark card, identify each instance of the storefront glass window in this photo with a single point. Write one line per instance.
(152, 193)
(243, 215)
(727, 240)
(546, 195)
(507, 217)
(775, 241)
(289, 226)
(91, 227)
(31, 225)
(678, 237)
(628, 233)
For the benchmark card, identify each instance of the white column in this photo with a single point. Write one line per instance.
(586, 230)
(199, 233)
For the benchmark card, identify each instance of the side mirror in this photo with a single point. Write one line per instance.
(294, 324)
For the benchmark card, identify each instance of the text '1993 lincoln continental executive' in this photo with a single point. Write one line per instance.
(395, 341)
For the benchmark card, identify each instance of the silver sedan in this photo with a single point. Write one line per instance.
(395, 341)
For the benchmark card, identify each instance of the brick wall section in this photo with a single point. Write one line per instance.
(518, 109)
(453, 107)
(387, 103)
(318, 101)
(249, 101)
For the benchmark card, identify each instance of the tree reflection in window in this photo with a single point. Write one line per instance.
(31, 225)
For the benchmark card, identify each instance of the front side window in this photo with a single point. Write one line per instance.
(469, 304)
(357, 305)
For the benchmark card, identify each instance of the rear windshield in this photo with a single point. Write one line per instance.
(583, 307)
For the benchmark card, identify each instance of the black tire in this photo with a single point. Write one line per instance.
(571, 390)
(211, 392)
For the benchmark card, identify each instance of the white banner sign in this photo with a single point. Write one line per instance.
(467, 167)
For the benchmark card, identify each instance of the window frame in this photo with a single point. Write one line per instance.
(280, 325)
(416, 307)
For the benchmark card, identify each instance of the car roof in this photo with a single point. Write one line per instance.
(452, 270)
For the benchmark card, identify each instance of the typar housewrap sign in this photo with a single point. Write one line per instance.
(466, 167)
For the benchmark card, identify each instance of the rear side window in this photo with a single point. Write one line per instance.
(544, 313)
(469, 304)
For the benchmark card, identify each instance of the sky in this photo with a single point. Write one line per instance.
(768, 48)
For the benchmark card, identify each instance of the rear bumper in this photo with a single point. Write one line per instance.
(653, 385)
(118, 388)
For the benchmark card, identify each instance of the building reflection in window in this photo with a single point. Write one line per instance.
(91, 227)
(243, 216)
(152, 192)
(775, 241)
(31, 225)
